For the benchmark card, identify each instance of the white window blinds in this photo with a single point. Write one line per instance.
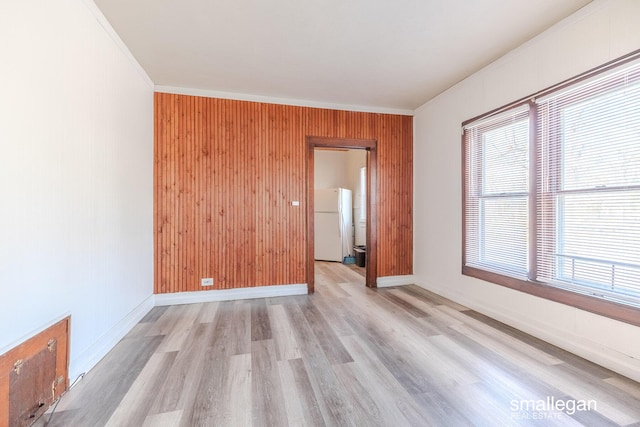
(552, 191)
(497, 193)
(589, 187)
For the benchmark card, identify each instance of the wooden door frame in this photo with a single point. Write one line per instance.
(371, 145)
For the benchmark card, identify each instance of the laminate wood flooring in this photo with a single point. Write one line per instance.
(345, 356)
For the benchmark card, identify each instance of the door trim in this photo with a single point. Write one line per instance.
(371, 145)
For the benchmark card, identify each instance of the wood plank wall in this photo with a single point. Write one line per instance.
(226, 172)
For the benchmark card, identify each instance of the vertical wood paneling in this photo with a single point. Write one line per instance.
(226, 172)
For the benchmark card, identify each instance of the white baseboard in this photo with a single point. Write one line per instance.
(91, 356)
(387, 281)
(230, 294)
(596, 353)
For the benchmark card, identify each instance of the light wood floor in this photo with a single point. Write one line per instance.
(346, 355)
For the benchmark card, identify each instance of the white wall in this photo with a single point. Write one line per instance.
(76, 178)
(357, 159)
(596, 34)
(333, 169)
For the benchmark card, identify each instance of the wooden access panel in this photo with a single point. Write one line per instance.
(33, 375)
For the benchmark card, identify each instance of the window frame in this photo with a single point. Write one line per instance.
(362, 202)
(560, 191)
(479, 191)
(608, 308)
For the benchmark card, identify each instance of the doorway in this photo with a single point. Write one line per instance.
(370, 146)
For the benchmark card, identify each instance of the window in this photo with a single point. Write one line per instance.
(552, 193)
(497, 194)
(362, 201)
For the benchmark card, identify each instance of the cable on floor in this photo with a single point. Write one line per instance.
(78, 378)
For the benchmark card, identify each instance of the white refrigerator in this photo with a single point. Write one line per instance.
(332, 222)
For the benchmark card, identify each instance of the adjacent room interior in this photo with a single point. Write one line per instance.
(340, 207)
(258, 213)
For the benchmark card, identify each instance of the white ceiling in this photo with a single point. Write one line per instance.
(387, 54)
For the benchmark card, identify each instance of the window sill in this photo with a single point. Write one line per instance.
(598, 306)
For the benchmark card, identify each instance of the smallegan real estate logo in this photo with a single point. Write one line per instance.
(549, 408)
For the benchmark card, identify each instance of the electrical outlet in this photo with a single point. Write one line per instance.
(207, 282)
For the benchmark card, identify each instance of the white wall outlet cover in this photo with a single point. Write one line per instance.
(206, 282)
(295, 203)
